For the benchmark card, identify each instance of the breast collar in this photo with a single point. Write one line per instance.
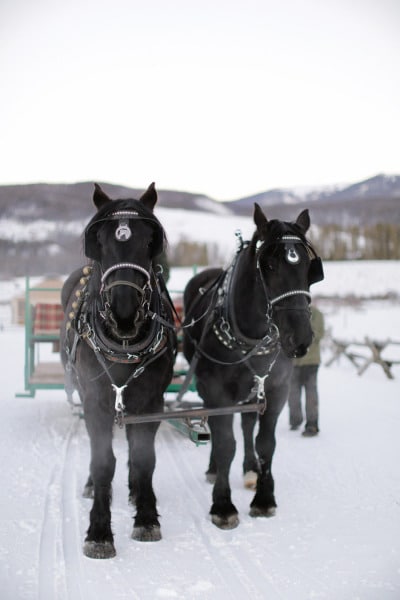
(84, 320)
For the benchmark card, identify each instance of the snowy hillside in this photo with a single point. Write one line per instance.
(42, 225)
(358, 279)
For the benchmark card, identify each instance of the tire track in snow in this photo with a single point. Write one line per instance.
(59, 570)
(51, 568)
(77, 588)
(50, 580)
(230, 566)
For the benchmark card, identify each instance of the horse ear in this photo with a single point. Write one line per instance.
(303, 220)
(260, 219)
(149, 198)
(100, 198)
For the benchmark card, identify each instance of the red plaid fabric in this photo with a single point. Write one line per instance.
(48, 319)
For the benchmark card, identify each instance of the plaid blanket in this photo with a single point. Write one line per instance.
(47, 319)
(178, 304)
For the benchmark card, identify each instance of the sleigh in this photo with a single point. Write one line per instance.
(42, 318)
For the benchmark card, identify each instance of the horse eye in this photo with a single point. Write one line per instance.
(270, 265)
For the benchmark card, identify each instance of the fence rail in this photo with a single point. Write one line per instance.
(373, 355)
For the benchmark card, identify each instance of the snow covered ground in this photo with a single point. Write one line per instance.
(336, 534)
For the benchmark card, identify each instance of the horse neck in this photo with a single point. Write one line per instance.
(248, 301)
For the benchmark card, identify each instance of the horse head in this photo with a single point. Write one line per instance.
(287, 265)
(122, 239)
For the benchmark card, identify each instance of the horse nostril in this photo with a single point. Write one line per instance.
(300, 351)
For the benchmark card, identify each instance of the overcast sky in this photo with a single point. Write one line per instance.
(221, 97)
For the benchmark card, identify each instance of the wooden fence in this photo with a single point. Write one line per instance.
(365, 353)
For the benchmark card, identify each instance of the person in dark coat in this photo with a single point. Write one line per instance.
(305, 372)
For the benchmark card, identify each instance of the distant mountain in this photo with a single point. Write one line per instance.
(74, 201)
(372, 199)
(375, 200)
(41, 225)
(381, 188)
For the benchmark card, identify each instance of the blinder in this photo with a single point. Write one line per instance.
(123, 232)
(315, 270)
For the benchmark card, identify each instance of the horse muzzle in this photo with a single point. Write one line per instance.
(294, 348)
(127, 329)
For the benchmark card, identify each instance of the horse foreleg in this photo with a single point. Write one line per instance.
(99, 541)
(211, 473)
(88, 490)
(142, 462)
(250, 461)
(223, 513)
(264, 504)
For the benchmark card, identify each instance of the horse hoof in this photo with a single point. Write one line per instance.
(225, 522)
(211, 477)
(99, 549)
(88, 492)
(257, 511)
(250, 480)
(147, 534)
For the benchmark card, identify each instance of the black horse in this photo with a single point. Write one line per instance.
(243, 327)
(118, 351)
